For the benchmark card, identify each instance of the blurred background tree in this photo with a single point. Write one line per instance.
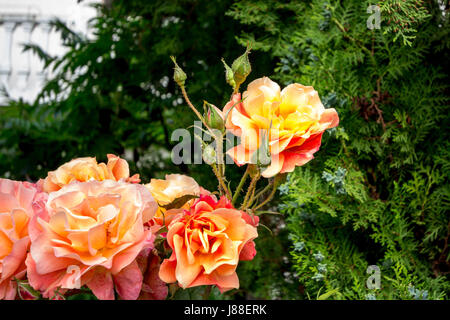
(114, 94)
(378, 190)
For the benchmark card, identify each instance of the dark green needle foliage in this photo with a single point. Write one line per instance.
(377, 192)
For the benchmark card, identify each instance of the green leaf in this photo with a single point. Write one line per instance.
(179, 202)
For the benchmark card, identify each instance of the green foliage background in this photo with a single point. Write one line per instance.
(378, 191)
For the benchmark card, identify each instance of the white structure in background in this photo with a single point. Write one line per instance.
(27, 21)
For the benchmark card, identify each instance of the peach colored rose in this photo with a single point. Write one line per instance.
(90, 233)
(235, 102)
(16, 210)
(294, 118)
(173, 187)
(85, 169)
(166, 191)
(207, 243)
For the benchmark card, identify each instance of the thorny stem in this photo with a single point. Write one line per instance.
(186, 98)
(240, 185)
(219, 170)
(222, 185)
(216, 173)
(274, 189)
(260, 193)
(225, 187)
(251, 198)
(220, 164)
(250, 189)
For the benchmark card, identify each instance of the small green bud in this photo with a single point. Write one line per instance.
(213, 116)
(209, 154)
(229, 75)
(241, 67)
(178, 75)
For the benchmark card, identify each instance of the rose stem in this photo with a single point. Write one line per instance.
(241, 184)
(250, 188)
(274, 189)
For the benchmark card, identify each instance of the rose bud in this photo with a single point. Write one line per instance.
(213, 116)
(178, 75)
(241, 68)
(229, 75)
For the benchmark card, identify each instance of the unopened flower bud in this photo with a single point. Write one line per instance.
(26, 292)
(229, 75)
(178, 75)
(209, 154)
(241, 67)
(213, 116)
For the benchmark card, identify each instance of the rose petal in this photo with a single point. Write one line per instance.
(128, 282)
(101, 284)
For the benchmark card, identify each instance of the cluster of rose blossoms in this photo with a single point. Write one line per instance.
(90, 224)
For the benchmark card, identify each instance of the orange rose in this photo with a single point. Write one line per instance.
(16, 210)
(85, 169)
(207, 243)
(90, 233)
(166, 191)
(294, 118)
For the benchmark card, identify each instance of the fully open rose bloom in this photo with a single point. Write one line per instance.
(166, 191)
(207, 242)
(85, 169)
(90, 234)
(16, 210)
(296, 119)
